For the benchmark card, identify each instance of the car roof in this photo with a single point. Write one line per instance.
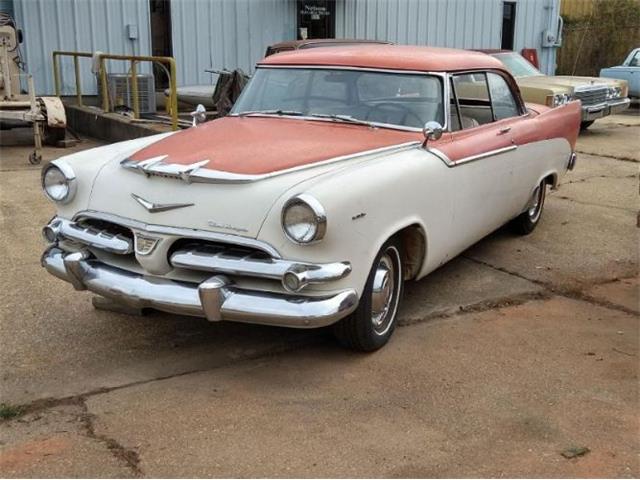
(318, 41)
(490, 51)
(391, 57)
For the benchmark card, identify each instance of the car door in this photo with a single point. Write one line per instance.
(480, 154)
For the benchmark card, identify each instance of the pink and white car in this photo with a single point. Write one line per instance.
(340, 174)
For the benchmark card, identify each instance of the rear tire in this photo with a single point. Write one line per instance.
(371, 325)
(585, 125)
(526, 222)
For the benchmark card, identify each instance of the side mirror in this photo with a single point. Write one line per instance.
(432, 130)
(199, 115)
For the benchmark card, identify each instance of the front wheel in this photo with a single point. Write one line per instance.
(585, 125)
(372, 324)
(526, 222)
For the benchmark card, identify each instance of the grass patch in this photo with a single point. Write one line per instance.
(9, 411)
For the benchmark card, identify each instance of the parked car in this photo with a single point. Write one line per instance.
(599, 96)
(628, 71)
(338, 175)
(318, 42)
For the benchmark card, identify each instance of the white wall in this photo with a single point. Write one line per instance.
(227, 34)
(79, 25)
(447, 23)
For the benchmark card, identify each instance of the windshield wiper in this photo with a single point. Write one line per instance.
(291, 113)
(341, 118)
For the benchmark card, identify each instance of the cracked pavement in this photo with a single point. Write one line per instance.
(517, 350)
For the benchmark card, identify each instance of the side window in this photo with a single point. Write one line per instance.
(635, 61)
(474, 103)
(503, 102)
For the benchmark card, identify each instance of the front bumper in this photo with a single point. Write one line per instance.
(593, 112)
(216, 298)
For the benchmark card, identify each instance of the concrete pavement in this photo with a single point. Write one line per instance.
(517, 350)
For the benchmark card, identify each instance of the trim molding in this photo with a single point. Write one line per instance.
(472, 158)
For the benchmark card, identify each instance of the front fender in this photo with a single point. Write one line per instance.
(87, 164)
(366, 204)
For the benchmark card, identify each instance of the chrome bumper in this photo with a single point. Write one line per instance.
(216, 298)
(593, 112)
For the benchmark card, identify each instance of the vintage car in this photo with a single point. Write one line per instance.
(628, 71)
(599, 96)
(339, 174)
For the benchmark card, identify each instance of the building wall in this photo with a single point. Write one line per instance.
(79, 25)
(223, 34)
(447, 23)
(229, 34)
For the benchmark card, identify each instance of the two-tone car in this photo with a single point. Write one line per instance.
(600, 97)
(340, 174)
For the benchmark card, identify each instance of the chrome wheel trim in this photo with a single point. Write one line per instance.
(385, 289)
(535, 206)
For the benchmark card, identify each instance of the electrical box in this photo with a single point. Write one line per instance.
(132, 31)
(549, 38)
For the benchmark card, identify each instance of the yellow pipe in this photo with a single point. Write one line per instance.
(76, 65)
(134, 89)
(104, 85)
(56, 74)
(173, 95)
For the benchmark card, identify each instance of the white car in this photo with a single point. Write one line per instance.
(340, 174)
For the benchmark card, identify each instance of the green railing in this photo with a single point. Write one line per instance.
(172, 105)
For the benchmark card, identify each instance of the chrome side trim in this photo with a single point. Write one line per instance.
(472, 158)
(253, 266)
(202, 175)
(442, 156)
(91, 237)
(180, 232)
(490, 153)
(216, 299)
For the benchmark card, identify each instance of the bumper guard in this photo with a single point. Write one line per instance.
(216, 298)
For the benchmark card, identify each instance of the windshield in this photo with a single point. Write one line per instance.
(379, 98)
(518, 65)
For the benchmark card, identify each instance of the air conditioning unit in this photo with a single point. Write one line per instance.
(120, 92)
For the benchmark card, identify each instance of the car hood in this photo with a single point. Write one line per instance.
(560, 82)
(254, 145)
(275, 153)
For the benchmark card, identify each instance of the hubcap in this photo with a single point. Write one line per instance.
(384, 292)
(535, 206)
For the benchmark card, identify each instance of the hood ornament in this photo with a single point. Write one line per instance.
(156, 166)
(158, 207)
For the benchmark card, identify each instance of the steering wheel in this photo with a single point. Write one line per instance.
(408, 113)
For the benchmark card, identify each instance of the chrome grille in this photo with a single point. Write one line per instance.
(592, 96)
(99, 234)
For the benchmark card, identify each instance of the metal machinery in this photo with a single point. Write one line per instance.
(18, 109)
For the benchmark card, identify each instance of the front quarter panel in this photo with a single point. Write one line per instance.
(88, 163)
(366, 204)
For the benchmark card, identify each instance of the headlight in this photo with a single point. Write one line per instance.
(614, 92)
(558, 99)
(304, 220)
(59, 182)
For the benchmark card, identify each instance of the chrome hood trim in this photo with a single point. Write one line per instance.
(197, 173)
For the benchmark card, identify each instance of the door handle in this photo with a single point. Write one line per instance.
(504, 130)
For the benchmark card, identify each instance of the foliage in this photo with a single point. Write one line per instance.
(601, 38)
(9, 411)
